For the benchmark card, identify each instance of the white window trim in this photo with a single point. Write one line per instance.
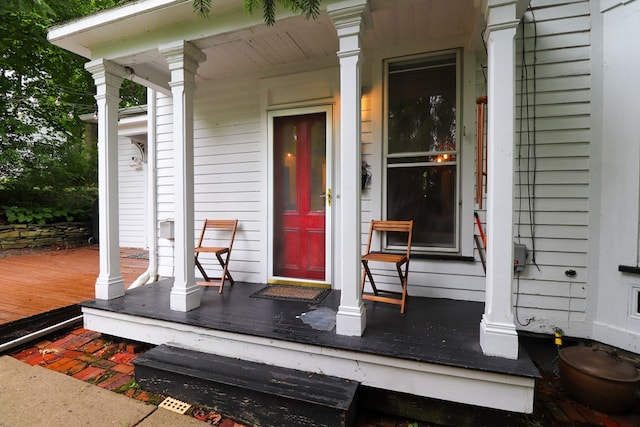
(459, 229)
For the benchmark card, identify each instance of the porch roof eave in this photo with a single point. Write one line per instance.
(129, 35)
(79, 35)
(101, 33)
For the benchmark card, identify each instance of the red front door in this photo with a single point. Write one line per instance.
(299, 199)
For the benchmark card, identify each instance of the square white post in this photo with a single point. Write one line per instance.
(109, 284)
(183, 59)
(348, 19)
(498, 335)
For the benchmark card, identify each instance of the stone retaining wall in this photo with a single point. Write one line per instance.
(19, 236)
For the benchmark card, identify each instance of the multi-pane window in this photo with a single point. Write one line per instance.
(422, 148)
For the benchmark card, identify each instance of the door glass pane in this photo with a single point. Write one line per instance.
(289, 170)
(318, 166)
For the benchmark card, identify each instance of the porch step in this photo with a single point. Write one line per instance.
(252, 393)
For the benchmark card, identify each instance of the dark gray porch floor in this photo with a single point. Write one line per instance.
(438, 331)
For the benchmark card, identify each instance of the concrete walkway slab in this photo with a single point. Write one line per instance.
(36, 396)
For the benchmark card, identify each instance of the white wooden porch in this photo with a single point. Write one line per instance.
(432, 351)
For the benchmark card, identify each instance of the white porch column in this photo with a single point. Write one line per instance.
(498, 335)
(183, 59)
(348, 18)
(110, 283)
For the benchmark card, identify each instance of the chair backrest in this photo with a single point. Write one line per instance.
(387, 226)
(226, 225)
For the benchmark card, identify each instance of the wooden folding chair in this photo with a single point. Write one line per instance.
(379, 227)
(217, 231)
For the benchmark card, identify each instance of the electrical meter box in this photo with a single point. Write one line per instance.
(519, 257)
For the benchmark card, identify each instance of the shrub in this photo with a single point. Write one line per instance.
(46, 206)
(41, 216)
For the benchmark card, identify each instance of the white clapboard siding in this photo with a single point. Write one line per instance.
(367, 157)
(560, 97)
(554, 150)
(229, 168)
(165, 191)
(545, 296)
(562, 162)
(561, 84)
(132, 196)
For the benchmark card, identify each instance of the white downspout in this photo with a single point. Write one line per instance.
(151, 274)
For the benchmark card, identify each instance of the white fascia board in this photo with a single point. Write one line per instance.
(139, 19)
(61, 35)
(131, 126)
(138, 112)
(135, 24)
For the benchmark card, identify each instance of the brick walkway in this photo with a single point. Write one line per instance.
(107, 363)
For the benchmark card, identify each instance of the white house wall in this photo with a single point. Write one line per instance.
(231, 170)
(132, 181)
(132, 191)
(552, 171)
(164, 164)
(427, 277)
(230, 167)
(617, 318)
(230, 162)
(559, 202)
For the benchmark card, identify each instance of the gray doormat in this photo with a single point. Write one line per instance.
(292, 293)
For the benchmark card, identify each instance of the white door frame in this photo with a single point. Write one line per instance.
(328, 110)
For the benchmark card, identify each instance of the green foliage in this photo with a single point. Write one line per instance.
(43, 91)
(41, 216)
(308, 8)
(202, 7)
(38, 106)
(47, 205)
(47, 169)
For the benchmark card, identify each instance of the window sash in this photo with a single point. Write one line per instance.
(408, 172)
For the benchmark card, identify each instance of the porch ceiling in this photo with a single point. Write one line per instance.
(236, 43)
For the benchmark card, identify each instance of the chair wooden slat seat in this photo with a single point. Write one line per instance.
(385, 257)
(218, 231)
(400, 260)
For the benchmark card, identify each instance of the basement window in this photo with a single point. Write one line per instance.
(634, 302)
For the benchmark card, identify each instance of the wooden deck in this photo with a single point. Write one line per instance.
(41, 282)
